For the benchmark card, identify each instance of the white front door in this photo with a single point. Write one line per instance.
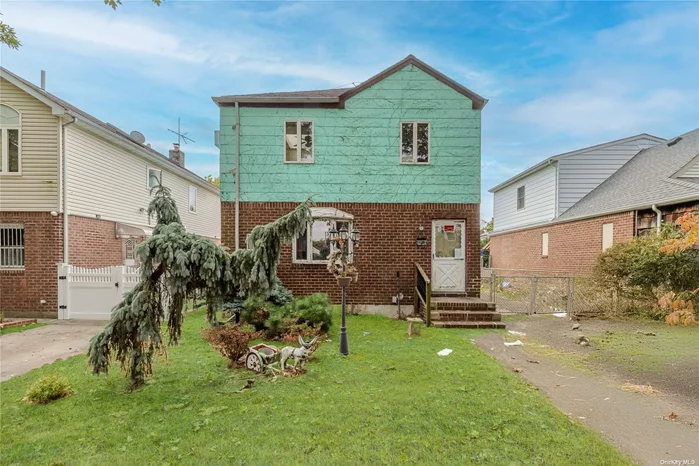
(448, 247)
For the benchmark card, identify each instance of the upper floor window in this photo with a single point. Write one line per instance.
(414, 142)
(155, 177)
(10, 145)
(520, 197)
(298, 141)
(11, 246)
(193, 199)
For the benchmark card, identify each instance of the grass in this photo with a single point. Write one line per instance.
(642, 353)
(21, 328)
(392, 401)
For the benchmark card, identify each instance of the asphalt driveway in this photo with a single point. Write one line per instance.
(24, 351)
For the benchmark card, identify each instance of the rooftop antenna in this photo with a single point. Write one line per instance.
(180, 135)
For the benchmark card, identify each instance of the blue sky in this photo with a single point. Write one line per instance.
(559, 76)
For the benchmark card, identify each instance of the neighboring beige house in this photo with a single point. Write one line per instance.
(75, 190)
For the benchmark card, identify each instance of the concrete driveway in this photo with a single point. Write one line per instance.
(24, 351)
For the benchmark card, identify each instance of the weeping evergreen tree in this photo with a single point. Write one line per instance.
(174, 264)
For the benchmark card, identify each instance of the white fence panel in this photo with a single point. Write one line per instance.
(92, 293)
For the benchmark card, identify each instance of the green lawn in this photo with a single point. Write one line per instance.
(22, 328)
(392, 401)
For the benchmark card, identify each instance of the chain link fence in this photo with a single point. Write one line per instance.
(527, 292)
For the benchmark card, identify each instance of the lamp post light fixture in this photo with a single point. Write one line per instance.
(342, 240)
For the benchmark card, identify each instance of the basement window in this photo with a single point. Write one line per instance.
(298, 141)
(414, 142)
(12, 246)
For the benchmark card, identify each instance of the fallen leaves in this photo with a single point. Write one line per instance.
(646, 389)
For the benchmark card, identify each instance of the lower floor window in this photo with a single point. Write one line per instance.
(11, 246)
(313, 246)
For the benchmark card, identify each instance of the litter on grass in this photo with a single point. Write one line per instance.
(367, 333)
(514, 343)
(560, 314)
(516, 332)
(445, 352)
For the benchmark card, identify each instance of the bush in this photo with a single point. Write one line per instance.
(314, 310)
(639, 267)
(47, 389)
(232, 341)
(279, 295)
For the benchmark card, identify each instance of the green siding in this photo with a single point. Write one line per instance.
(357, 148)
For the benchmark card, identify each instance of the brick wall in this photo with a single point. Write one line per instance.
(21, 291)
(387, 246)
(93, 243)
(573, 246)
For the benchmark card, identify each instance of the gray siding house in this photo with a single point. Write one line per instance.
(545, 191)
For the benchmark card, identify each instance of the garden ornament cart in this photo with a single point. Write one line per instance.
(260, 356)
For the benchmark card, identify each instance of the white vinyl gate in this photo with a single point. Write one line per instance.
(92, 293)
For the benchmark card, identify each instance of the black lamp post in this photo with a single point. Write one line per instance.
(342, 239)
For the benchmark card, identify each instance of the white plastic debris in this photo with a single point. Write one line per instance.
(516, 332)
(560, 314)
(367, 333)
(445, 352)
(514, 343)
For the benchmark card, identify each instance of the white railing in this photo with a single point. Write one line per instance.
(92, 293)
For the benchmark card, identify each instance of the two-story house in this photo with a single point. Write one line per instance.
(397, 157)
(75, 190)
(558, 215)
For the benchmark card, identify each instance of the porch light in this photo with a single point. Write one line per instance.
(332, 234)
(344, 233)
(355, 235)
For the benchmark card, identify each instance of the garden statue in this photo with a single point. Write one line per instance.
(300, 355)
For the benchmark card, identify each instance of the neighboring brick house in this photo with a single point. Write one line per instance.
(656, 185)
(75, 190)
(397, 157)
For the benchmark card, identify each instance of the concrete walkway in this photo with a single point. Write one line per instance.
(24, 351)
(636, 423)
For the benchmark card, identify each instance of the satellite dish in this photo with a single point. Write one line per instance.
(138, 137)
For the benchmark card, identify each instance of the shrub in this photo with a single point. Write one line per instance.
(640, 267)
(47, 389)
(279, 295)
(254, 312)
(315, 310)
(232, 341)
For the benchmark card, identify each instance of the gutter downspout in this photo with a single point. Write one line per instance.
(66, 256)
(659, 217)
(237, 176)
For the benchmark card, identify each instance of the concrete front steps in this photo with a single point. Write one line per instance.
(460, 311)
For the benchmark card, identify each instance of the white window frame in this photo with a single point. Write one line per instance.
(524, 197)
(607, 236)
(429, 143)
(309, 241)
(23, 247)
(4, 150)
(196, 198)
(148, 170)
(545, 244)
(298, 145)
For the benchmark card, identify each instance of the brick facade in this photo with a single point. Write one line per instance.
(573, 246)
(93, 243)
(388, 246)
(22, 291)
